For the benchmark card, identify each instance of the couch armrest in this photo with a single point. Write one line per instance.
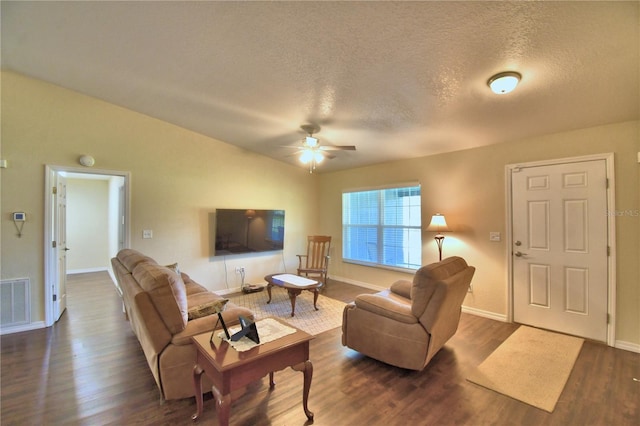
(402, 288)
(386, 307)
(195, 327)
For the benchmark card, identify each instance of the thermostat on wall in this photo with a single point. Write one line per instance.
(19, 217)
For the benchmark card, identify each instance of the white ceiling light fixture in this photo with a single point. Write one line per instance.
(504, 82)
(87, 160)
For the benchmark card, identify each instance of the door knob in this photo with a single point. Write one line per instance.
(518, 243)
(67, 249)
(519, 254)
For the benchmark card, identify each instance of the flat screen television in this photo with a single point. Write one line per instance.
(248, 231)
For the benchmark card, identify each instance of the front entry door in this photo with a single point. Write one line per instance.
(559, 247)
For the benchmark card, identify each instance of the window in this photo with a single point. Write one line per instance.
(383, 227)
(277, 225)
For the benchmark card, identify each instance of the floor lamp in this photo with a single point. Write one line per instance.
(438, 224)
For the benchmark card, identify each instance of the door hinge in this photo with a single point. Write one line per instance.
(608, 251)
(606, 183)
(55, 297)
(54, 244)
(608, 318)
(54, 190)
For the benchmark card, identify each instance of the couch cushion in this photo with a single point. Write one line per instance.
(167, 291)
(131, 258)
(192, 286)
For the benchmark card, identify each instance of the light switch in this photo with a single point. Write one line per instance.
(147, 233)
(494, 236)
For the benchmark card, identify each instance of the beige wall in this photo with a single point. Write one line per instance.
(87, 224)
(469, 188)
(177, 178)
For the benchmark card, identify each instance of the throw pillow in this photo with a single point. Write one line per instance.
(174, 268)
(206, 309)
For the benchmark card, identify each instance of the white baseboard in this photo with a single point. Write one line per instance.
(227, 291)
(86, 270)
(23, 327)
(484, 314)
(468, 310)
(627, 346)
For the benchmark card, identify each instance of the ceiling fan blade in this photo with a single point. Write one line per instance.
(327, 155)
(338, 148)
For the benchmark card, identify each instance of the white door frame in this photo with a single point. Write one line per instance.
(611, 232)
(49, 252)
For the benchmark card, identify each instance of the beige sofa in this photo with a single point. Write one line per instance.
(158, 301)
(407, 324)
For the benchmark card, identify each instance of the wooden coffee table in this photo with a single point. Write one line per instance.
(293, 289)
(230, 370)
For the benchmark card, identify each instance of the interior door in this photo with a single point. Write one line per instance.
(559, 247)
(60, 238)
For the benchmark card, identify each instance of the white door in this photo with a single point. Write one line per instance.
(60, 238)
(559, 247)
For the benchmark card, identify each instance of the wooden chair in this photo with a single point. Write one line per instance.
(315, 263)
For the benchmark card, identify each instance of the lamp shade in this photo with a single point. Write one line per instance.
(438, 224)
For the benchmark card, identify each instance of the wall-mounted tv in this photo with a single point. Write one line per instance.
(248, 231)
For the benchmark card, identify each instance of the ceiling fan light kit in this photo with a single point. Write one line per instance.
(309, 155)
(312, 153)
(310, 141)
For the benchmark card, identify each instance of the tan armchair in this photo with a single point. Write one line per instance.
(407, 324)
(315, 263)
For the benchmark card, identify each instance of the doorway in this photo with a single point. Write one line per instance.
(561, 266)
(55, 241)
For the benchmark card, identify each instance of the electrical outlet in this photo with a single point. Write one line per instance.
(239, 269)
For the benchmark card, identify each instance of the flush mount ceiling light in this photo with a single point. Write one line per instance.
(504, 82)
(87, 160)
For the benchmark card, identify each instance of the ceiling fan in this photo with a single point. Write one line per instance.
(312, 152)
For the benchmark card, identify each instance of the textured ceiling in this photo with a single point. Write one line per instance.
(397, 80)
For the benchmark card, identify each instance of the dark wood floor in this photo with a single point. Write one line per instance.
(89, 370)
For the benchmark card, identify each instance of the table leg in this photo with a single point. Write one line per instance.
(197, 384)
(272, 384)
(223, 406)
(269, 285)
(292, 296)
(315, 298)
(307, 371)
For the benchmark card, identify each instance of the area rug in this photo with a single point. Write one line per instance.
(532, 366)
(327, 317)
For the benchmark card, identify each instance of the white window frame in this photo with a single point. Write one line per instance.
(414, 228)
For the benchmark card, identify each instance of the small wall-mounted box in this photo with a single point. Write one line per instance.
(19, 217)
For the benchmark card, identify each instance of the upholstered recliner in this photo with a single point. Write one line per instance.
(407, 324)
